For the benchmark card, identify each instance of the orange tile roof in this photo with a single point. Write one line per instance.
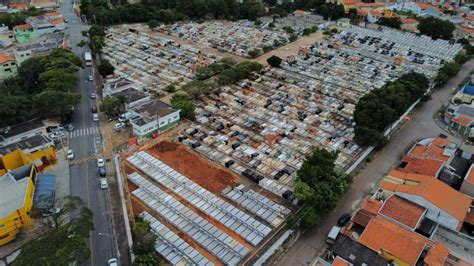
(432, 190)
(463, 120)
(375, 13)
(362, 12)
(469, 17)
(338, 261)
(20, 6)
(409, 21)
(349, 2)
(437, 255)
(52, 14)
(371, 205)
(362, 217)
(433, 151)
(23, 27)
(299, 12)
(57, 21)
(6, 58)
(381, 234)
(374, 4)
(421, 166)
(466, 29)
(403, 211)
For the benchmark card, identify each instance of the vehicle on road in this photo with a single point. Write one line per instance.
(88, 58)
(113, 262)
(102, 172)
(91, 78)
(103, 183)
(94, 109)
(93, 95)
(70, 127)
(335, 230)
(95, 117)
(119, 126)
(100, 162)
(70, 154)
(125, 117)
(344, 219)
(51, 212)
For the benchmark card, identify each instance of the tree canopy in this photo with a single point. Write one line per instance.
(376, 110)
(42, 88)
(436, 28)
(274, 61)
(319, 186)
(112, 106)
(105, 68)
(66, 242)
(393, 22)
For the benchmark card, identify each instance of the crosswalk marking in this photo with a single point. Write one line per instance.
(83, 132)
(83, 160)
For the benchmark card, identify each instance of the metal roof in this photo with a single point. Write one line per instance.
(44, 191)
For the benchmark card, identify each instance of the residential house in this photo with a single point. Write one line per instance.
(465, 94)
(47, 23)
(348, 4)
(17, 188)
(444, 205)
(47, 5)
(8, 66)
(429, 10)
(7, 37)
(153, 117)
(29, 137)
(113, 86)
(400, 245)
(25, 33)
(41, 46)
(133, 97)
(460, 118)
(409, 24)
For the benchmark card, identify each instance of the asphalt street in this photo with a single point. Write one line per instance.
(84, 177)
(421, 125)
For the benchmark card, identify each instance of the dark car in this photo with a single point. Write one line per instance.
(102, 172)
(345, 218)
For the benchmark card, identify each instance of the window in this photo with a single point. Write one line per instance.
(175, 117)
(8, 70)
(4, 236)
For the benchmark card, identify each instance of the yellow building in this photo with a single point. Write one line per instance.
(42, 159)
(17, 188)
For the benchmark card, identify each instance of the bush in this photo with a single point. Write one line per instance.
(238, 72)
(105, 68)
(183, 102)
(255, 53)
(274, 61)
(288, 29)
(170, 88)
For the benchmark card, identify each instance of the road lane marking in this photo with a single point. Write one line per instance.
(83, 160)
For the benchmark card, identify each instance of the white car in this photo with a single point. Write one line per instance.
(119, 126)
(95, 117)
(93, 95)
(103, 184)
(70, 154)
(100, 162)
(91, 78)
(112, 262)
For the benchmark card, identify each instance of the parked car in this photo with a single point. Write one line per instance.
(94, 109)
(100, 162)
(333, 234)
(103, 183)
(70, 127)
(344, 219)
(91, 78)
(102, 172)
(119, 126)
(70, 154)
(113, 262)
(95, 117)
(51, 212)
(93, 95)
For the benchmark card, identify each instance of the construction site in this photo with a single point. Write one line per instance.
(202, 213)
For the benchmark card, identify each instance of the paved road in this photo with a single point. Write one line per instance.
(421, 125)
(85, 142)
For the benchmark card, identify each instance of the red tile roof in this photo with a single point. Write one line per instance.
(338, 261)
(382, 235)
(369, 209)
(431, 189)
(299, 12)
(57, 21)
(421, 166)
(6, 58)
(437, 255)
(23, 27)
(402, 211)
(469, 17)
(433, 151)
(371, 205)
(374, 4)
(409, 21)
(52, 14)
(470, 175)
(349, 2)
(19, 6)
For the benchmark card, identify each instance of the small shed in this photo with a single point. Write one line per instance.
(44, 192)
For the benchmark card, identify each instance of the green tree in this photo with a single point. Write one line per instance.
(143, 240)
(105, 68)
(436, 28)
(274, 61)
(393, 22)
(153, 24)
(288, 29)
(112, 106)
(82, 43)
(447, 71)
(65, 243)
(183, 102)
(55, 103)
(255, 53)
(170, 87)
(197, 88)
(58, 80)
(147, 259)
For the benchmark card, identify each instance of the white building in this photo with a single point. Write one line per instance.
(153, 117)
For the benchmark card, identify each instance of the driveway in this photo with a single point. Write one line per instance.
(421, 125)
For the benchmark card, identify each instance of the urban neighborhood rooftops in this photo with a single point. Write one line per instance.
(431, 189)
(6, 58)
(21, 128)
(356, 253)
(383, 236)
(403, 211)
